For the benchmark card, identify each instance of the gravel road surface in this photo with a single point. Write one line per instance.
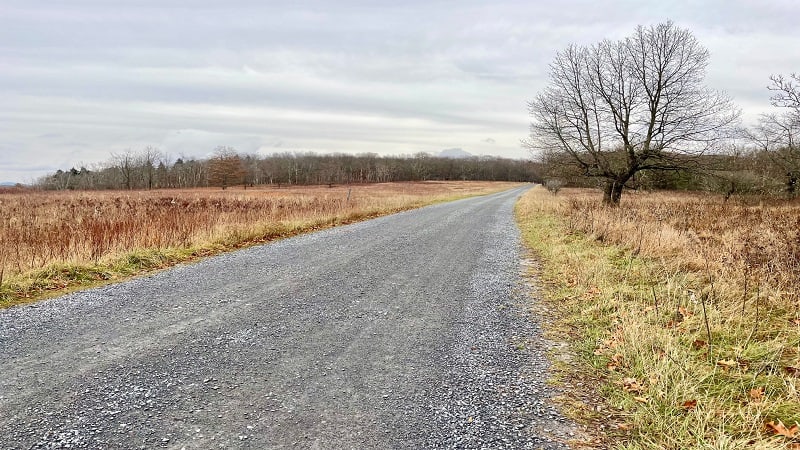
(408, 331)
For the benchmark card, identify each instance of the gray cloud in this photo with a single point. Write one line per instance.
(81, 79)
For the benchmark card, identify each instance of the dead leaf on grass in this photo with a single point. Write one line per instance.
(780, 429)
(699, 343)
(632, 385)
(757, 394)
(689, 404)
(644, 400)
(616, 361)
(593, 292)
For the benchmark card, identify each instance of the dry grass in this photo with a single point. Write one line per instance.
(683, 307)
(52, 241)
(746, 241)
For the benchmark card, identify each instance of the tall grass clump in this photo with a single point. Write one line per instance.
(51, 241)
(684, 309)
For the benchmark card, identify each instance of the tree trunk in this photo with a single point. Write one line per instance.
(613, 192)
(791, 184)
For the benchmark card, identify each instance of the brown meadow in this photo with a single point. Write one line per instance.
(684, 309)
(44, 235)
(744, 243)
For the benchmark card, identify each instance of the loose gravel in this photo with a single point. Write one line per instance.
(408, 331)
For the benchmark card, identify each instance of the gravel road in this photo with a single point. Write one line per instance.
(408, 331)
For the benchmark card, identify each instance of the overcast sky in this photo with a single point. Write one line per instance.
(81, 79)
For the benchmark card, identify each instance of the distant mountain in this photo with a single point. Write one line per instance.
(7, 183)
(455, 153)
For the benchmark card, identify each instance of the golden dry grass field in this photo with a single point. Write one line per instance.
(51, 242)
(685, 313)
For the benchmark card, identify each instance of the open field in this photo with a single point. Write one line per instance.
(682, 308)
(55, 241)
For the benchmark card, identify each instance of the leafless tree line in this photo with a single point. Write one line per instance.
(151, 168)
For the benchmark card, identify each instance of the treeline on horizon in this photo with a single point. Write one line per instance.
(152, 169)
(742, 171)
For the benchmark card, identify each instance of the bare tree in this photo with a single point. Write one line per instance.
(786, 92)
(148, 159)
(225, 167)
(620, 107)
(778, 134)
(125, 163)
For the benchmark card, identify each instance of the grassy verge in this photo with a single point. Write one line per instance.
(223, 222)
(60, 278)
(668, 354)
